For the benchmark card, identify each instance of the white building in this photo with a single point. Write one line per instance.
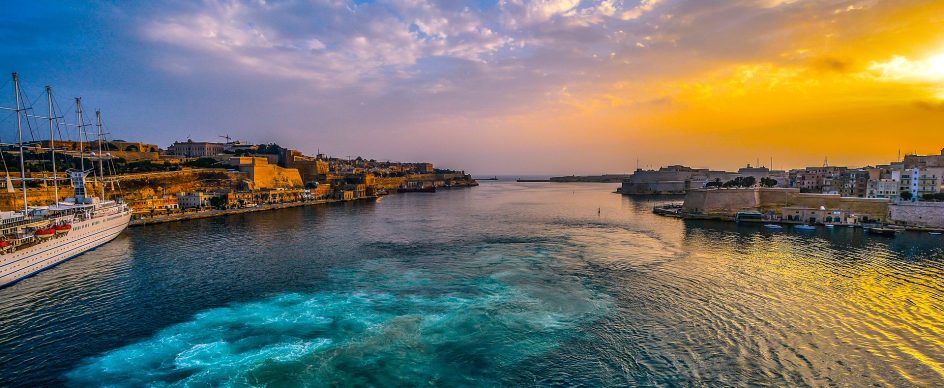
(196, 200)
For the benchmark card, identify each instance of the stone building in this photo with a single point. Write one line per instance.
(670, 180)
(195, 149)
(196, 200)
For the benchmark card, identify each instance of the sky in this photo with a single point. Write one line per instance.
(500, 87)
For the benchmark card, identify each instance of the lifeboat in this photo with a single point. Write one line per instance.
(45, 233)
(4, 244)
(62, 229)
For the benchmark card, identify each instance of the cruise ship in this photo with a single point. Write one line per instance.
(39, 237)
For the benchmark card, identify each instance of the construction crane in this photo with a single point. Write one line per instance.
(225, 137)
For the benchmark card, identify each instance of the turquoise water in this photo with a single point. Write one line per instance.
(505, 284)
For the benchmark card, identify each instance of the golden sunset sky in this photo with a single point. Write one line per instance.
(512, 86)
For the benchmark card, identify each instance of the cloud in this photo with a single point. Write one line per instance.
(336, 45)
(637, 11)
(331, 73)
(523, 13)
(900, 68)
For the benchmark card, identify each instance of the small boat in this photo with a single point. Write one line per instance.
(805, 228)
(935, 233)
(830, 226)
(748, 215)
(889, 232)
(45, 233)
(62, 229)
(773, 226)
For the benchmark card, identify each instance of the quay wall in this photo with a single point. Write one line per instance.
(721, 201)
(923, 214)
(730, 201)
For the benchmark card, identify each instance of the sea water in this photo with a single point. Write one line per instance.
(503, 284)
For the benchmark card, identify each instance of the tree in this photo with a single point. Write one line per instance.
(906, 195)
(270, 149)
(768, 182)
(747, 181)
(933, 197)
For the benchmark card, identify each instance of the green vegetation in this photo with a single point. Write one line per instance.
(270, 149)
(933, 197)
(906, 195)
(747, 181)
(203, 163)
(768, 182)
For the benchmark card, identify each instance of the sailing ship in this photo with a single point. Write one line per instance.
(39, 237)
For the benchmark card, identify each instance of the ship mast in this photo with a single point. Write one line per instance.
(19, 129)
(101, 156)
(52, 144)
(81, 124)
(78, 178)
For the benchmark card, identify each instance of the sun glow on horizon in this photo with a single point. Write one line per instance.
(902, 69)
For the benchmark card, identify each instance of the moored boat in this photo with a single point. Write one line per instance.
(804, 228)
(39, 237)
(883, 231)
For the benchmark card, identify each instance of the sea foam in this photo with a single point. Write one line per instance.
(395, 329)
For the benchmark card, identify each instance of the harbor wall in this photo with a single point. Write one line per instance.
(730, 201)
(721, 201)
(923, 214)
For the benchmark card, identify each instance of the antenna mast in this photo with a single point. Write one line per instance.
(19, 130)
(52, 144)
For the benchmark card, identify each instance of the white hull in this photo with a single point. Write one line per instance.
(85, 235)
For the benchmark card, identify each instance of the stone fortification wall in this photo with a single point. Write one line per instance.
(925, 214)
(389, 183)
(877, 207)
(730, 201)
(720, 201)
(660, 187)
(133, 156)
